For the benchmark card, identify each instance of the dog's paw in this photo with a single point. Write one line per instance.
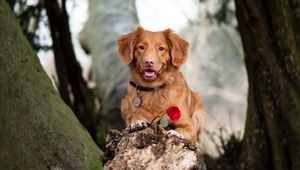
(139, 125)
(174, 133)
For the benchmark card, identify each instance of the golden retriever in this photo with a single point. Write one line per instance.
(156, 83)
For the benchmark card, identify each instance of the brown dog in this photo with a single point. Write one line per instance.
(156, 82)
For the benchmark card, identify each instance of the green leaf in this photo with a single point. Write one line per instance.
(107, 138)
(163, 122)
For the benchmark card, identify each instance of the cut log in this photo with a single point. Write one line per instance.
(150, 149)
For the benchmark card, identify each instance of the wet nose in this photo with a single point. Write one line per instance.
(149, 62)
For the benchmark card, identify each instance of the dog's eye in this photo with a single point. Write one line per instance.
(142, 47)
(161, 48)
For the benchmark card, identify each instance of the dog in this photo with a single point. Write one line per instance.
(156, 83)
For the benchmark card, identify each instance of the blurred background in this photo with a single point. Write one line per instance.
(76, 43)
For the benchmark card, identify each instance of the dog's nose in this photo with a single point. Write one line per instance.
(149, 62)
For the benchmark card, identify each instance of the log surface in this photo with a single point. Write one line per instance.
(150, 149)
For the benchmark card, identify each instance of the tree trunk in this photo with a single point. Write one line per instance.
(271, 38)
(37, 130)
(71, 82)
(107, 20)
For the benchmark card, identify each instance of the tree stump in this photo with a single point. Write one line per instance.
(150, 148)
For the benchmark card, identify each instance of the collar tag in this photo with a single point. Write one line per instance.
(137, 101)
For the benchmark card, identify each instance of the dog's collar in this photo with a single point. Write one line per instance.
(141, 88)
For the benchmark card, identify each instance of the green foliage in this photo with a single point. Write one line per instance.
(163, 122)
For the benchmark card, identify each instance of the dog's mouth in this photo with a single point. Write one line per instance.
(150, 74)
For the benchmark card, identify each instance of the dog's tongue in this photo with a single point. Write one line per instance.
(149, 73)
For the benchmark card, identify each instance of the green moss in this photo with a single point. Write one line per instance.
(37, 130)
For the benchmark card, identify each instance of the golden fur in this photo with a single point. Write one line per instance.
(166, 51)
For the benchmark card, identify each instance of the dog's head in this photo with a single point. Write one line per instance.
(151, 54)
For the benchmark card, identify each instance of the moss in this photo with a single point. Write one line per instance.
(37, 130)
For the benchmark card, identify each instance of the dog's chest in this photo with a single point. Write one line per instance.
(157, 101)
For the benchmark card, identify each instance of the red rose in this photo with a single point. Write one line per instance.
(174, 113)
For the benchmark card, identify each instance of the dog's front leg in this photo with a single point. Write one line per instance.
(186, 131)
(132, 116)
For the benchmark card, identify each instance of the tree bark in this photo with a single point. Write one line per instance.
(271, 38)
(37, 130)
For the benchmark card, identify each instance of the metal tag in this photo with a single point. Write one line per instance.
(137, 101)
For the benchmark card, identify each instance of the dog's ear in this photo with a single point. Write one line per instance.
(178, 47)
(126, 45)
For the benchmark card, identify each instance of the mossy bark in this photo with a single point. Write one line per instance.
(271, 38)
(37, 130)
